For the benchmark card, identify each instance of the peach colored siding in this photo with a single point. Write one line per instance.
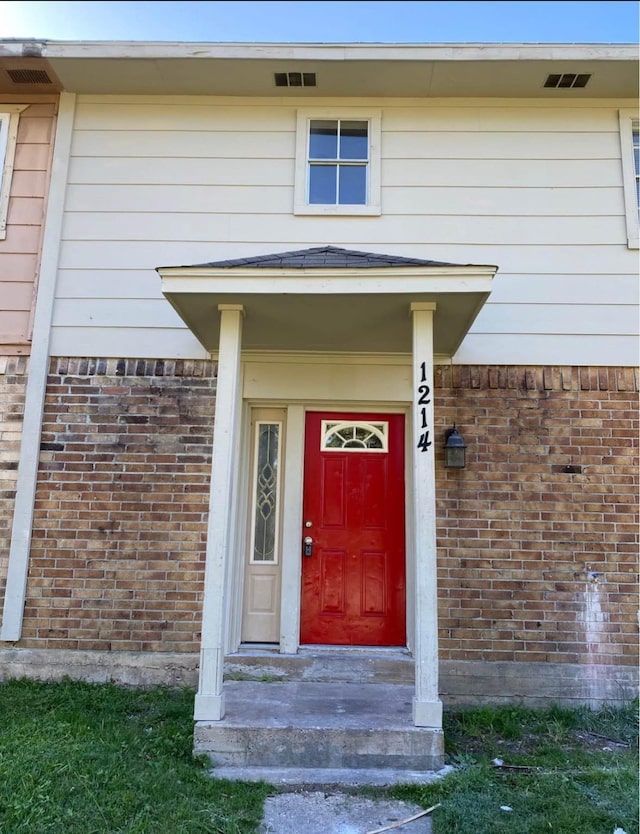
(20, 250)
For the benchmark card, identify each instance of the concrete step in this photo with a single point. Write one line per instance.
(330, 778)
(319, 725)
(322, 664)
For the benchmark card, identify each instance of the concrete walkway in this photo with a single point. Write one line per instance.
(320, 812)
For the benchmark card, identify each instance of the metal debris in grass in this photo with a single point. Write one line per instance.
(400, 823)
(500, 765)
(620, 742)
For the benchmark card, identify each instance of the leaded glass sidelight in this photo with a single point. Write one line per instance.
(354, 436)
(266, 496)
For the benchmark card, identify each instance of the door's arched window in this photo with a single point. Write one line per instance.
(356, 436)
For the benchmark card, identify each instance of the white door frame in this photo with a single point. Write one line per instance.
(312, 383)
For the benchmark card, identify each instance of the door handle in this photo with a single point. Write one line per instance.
(308, 545)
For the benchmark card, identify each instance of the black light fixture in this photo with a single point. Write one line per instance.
(454, 446)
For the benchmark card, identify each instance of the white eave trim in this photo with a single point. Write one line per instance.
(387, 280)
(327, 52)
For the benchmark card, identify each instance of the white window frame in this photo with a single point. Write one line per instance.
(628, 122)
(304, 117)
(9, 117)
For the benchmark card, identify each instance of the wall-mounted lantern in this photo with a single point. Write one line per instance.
(454, 446)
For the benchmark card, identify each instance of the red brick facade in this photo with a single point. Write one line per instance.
(535, 563)
(117, 557)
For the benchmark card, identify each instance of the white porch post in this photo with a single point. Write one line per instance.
(427, 707)
(209, 701)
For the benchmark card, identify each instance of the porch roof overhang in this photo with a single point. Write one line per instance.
(324, 308)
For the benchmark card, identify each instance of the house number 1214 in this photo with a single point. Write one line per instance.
(423, 401)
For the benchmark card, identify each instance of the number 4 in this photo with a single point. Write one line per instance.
(424, 442)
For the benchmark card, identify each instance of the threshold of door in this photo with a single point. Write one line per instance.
(309, 648)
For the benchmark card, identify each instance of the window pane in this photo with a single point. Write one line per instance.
(354, 143)
(264, 533)
(371, 437)
(323, 139)
(353, 185)
(322, 184)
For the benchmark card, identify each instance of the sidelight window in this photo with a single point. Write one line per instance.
(266, 493)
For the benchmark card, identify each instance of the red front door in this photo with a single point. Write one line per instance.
(353, 572)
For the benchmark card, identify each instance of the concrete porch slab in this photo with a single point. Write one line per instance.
(319, 726)
(322, 663)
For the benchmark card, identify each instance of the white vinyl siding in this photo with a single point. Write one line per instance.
(533, 187)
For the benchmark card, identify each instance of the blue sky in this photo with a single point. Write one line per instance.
(326, 22)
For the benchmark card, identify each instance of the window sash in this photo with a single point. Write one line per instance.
(338, 162)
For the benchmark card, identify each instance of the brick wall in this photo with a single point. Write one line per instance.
(117, 556)
(535, 563)
(13, 379)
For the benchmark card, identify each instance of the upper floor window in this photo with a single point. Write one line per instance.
(337, 162)
(630, 148)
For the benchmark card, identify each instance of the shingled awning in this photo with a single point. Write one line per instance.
(328, 299)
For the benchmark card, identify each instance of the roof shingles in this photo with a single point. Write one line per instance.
(323, 257)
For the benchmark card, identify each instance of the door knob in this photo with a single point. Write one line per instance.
(308, 542)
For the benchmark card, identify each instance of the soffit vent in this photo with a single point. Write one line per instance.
(28, 76)
(567, 80)
(295, 79)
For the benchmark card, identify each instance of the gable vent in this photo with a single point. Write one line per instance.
(28, 76)
(567, 80)
(295, 79)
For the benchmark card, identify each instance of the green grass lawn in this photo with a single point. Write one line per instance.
(98, 759)
(559, 771)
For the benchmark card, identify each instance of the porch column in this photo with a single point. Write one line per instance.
(209, 701)
(427, 707)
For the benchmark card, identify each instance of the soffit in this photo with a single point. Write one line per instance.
(406, 70)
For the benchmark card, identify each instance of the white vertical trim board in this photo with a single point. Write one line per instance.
(293, 484)
(16, 587)
(629, 120)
